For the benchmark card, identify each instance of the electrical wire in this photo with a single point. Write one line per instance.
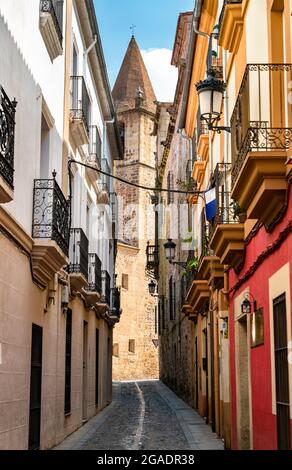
(139, 186)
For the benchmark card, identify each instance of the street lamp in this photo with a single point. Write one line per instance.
(246, 306)
(170, 253)
(170, 250)
(152, 287)
(211, 91)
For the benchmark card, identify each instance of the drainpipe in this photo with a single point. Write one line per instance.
(85, 54)
(196, 18)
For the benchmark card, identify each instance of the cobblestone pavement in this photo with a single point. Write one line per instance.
(144, 415)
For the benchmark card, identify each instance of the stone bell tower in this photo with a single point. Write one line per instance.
(135, 342)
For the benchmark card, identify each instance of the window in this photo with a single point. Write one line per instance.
(170, 187)
(68, 362)
(131, 345)
(116, 349)
(156, 319)
(172, 299)
(257, 328)
(125, 281)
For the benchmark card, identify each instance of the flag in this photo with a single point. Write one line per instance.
(210, 204)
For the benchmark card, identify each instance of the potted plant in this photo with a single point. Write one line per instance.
(237, 212)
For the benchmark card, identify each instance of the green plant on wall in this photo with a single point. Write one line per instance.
(187, 185)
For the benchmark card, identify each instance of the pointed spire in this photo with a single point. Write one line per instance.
(133, 76)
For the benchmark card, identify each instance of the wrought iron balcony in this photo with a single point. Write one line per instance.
(51, 26)
(105, 179)
(94, 147)
(50, 213)
(116, 302)
(80, 101)
(78, 252)
(94, 273)
(258, 120)
(7, 127)
(106, 287)
(152, 254)
(114, 206)
(55, 9)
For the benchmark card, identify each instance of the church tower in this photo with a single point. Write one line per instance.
(135, 342)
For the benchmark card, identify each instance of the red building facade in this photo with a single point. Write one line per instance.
(260, 343)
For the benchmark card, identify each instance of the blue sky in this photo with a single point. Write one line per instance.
(155, 22)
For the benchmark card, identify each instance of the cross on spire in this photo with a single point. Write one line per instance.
(133, 27)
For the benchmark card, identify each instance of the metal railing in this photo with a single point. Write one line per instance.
(152, 255)
(7, 129)
(78, 252)
(50, 213)
(106, 287)
(55, 9)
(105, 179)
(116, 301)
(114, 206)
(258, 119)
(94, 273)
(94, 147)
(80, 100)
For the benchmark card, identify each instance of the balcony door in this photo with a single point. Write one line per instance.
(35, 388)
(282, 373)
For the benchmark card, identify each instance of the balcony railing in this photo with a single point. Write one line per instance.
(94, 273)
(80, 100)
(78, 252)
(94, 147)
(50, 213)
(106, 286)
(116, 301)
(105, 179)
(259, 116)
(7, 127)
(225, 213)
(152, 254)
(55, 9)
(114, 207)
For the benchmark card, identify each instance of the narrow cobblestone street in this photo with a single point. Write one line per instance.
(144, 416)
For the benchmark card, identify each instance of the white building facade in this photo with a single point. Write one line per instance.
(58, 301)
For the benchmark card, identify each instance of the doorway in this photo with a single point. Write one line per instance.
(85, 366)
(243, 399)
(35, 388)
(282, 373)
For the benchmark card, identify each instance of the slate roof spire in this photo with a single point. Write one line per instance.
(132, 76)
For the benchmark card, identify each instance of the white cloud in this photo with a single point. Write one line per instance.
(162, 75)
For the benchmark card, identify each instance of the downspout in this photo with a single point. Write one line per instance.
(85, 54)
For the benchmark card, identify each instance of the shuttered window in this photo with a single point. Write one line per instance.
(170, 187)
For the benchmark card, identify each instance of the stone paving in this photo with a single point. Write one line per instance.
(144, 415)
